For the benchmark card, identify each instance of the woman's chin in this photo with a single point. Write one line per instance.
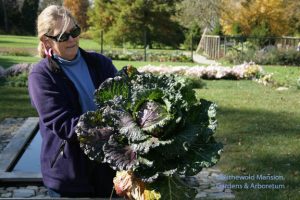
(71, 53)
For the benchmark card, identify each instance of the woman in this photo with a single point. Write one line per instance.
(61, 88)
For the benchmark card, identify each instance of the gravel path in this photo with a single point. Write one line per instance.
(199, 59)
(207, 182)
(203, 60)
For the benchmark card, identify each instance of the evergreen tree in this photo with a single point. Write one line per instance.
(3, 16)
(9, 16)
(29, 15)
(137, 21)
(102, 16)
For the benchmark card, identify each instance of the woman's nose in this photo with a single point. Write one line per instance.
(71, 38)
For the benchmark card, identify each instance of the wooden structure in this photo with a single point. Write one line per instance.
(215, 46)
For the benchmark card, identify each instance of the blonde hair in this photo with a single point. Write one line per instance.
(47, 20)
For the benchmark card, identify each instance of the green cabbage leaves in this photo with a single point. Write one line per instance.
(154, 126)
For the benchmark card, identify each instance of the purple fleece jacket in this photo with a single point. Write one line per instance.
(65, 167)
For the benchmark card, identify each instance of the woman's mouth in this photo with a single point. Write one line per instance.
(73, 46)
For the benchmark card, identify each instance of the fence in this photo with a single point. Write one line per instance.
(215, 46)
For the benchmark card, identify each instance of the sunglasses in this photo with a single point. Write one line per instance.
(75, 32)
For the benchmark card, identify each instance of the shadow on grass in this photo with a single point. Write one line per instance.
(6, 62)
(15, 102)
(17, 57)
(287, 183)
(260, 142)
(258, 122)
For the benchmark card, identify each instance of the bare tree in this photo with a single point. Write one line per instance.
(204, 13)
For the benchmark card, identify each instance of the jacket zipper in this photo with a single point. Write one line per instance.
(60, 151)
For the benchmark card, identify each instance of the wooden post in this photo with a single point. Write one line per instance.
(209, 47)
(206, 44)
(215, 46)
(202, 40)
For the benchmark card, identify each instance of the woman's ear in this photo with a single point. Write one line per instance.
(46, 45)
(47, 49)
(46, 42)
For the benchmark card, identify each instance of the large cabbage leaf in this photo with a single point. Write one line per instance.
(153, 126)
(93, 131)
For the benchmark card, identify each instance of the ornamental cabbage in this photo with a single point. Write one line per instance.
(153, 131)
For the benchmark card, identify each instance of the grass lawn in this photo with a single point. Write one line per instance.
(31, 42)
(8, 60)
(284, 75)
(14, 102)
(14, 41)
(18, 49)
(13, 44)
